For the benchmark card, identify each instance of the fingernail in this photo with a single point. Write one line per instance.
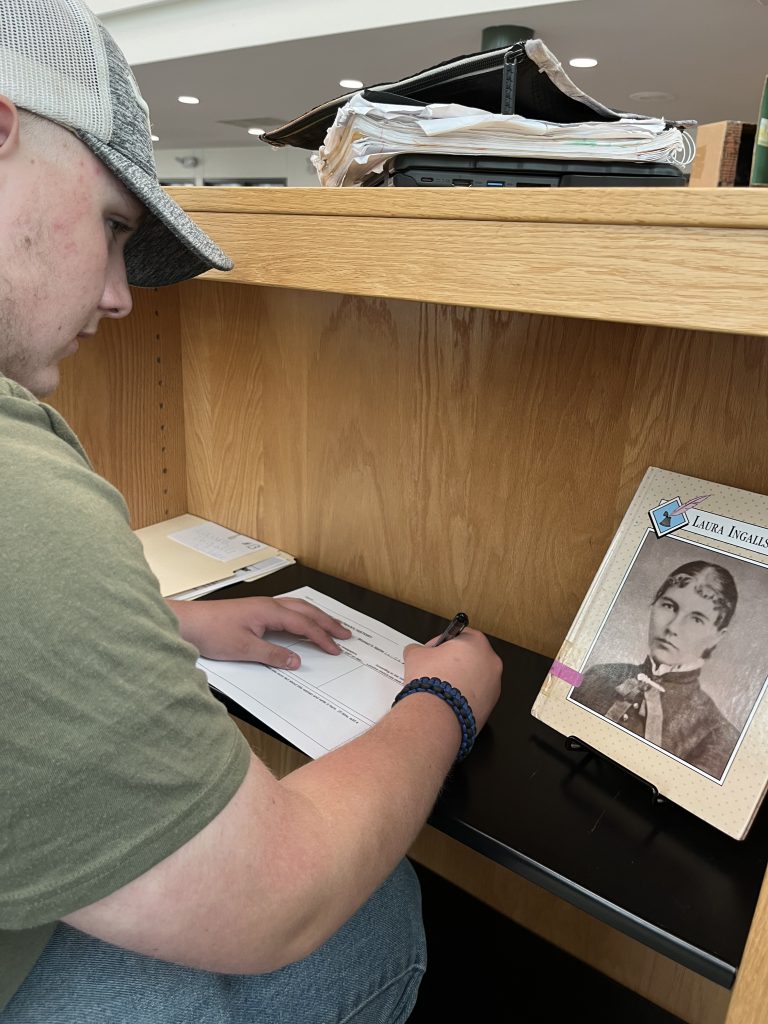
(292, 662)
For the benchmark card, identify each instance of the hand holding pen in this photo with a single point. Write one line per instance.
(459, 621)
(472, 666)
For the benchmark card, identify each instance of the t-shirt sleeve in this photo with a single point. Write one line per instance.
(113, 753)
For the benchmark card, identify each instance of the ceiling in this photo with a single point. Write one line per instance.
(710, 56)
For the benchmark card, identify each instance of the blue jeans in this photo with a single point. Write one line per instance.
(367, 973)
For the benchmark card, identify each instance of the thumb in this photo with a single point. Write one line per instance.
(273, 655)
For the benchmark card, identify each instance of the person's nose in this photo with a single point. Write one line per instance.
(672, 625)
(116, 299)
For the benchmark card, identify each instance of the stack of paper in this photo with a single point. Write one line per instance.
(365, 135)
(191, 556)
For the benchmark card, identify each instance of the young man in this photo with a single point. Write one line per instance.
(662, 699)
(151, 868)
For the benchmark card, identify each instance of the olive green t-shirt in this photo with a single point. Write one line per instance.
(113, 753)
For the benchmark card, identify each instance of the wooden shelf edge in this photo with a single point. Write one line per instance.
(675, 207)
(610, 272)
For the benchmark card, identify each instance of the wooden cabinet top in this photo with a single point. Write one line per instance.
(670, 207)
(676, 257)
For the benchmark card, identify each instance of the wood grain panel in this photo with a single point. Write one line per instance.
(122, 395)
(452, 457)
(748, 1003)
(224, 391)
(276, 755)
(699, 406)
(699, 207)
(604, 271)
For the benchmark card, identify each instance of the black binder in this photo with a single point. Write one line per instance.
(524, 78)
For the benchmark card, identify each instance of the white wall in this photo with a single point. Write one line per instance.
(259, 161)
(156, 30)
(105, 7)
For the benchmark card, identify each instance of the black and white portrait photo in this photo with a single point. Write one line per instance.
(680, 659)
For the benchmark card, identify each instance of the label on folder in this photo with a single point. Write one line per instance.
(216, 542)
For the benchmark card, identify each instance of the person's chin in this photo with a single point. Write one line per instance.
(45, 382)
(664, 653)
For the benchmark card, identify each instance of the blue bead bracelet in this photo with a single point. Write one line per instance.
(453, 697)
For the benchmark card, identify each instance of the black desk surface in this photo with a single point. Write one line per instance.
(575, 824)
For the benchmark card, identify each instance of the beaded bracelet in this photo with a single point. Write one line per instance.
(455, 699)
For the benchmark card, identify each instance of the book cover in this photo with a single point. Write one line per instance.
(723, 154)
(665, 667)
(759, 175)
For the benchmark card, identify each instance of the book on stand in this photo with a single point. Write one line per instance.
(665, 667)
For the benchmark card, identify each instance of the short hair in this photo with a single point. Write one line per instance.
(32, 121)
(40, 131)
(710, 581)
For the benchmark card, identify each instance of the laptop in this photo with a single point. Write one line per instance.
(418, 170)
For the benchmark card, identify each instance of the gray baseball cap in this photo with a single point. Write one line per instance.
(58, 61)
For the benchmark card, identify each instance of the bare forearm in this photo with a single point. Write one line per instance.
(286, 862)
(372, 797)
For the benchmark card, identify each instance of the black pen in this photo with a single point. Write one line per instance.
(452, 630)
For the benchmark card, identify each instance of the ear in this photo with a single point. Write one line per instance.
(9, 126)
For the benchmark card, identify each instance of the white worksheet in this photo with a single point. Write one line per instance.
(330, 699)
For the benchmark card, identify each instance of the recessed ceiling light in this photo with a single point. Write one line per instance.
(155, 138)
(255, 131)
(350, 83)
(651, 96)
(583, 62)
(189, 99)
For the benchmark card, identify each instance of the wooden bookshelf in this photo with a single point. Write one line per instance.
(450, 397)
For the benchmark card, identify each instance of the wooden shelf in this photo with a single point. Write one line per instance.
(670, 207)
(686, 258)
(449, 397)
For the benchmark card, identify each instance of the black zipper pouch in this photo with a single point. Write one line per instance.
(525, 78)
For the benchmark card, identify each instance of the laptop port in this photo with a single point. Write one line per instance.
(462, 181)
(494, 184)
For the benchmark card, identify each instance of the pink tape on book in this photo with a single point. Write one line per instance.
(568, 675)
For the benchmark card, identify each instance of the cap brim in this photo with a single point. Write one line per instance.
(168, 247)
